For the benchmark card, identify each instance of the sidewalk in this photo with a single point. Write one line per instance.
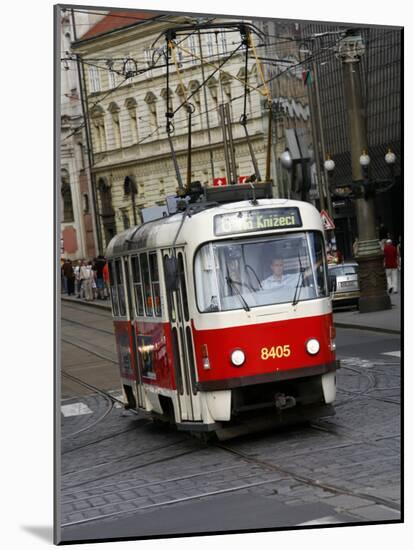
(388, 321)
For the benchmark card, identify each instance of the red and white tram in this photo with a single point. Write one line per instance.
(223, 315)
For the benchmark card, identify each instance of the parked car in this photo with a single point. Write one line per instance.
(344, 282)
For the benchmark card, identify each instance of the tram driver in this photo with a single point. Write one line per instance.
(279, 279)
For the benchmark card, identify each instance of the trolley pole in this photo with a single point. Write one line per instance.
(372, 279)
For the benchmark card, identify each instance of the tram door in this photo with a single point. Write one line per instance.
(182, 343)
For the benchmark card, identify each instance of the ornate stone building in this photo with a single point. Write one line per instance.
(132, 161)
(77, 232)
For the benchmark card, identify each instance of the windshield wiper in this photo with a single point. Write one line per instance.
(298, 288)
(230, 282)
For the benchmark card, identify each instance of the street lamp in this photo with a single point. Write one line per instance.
(373, 286)
(286, 159)
(329, 165)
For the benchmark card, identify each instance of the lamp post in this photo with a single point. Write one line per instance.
(373, 295)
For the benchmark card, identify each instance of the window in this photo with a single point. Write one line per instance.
(170, 298)
(112, 80)
(94, 79)
(131, 106)
(113, 289)
(143, 260)
(210, 47)
(66, 197)
(151, 100)
(222, 43)
(155, 283)
(260, 271)
(137, 284)
(193, 47)
(148, 60)
(116, 126)
(125, 218)
(85, 203)
(120, 288)
(97, 116)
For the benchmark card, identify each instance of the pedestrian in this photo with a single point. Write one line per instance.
(81, 293)
(391, 266)
(62, 276)
(100, 284)
(399, 252)
(69, 277)
(76, 270)
(105, 273)
(87, 276)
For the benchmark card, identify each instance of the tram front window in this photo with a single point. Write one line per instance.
(256, 272)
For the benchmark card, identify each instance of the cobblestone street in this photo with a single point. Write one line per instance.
(130, 476)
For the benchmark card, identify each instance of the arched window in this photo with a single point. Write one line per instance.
(85, 203)
(107, 210)
(163, 94)
(98, 122)
(225, 80)
(66, 197)
(131, 105)
(116, 125)
(130, 188)
(151, 100)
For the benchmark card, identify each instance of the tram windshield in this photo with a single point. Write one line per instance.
(257, 272)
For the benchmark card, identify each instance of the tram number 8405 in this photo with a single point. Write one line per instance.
(275, 352)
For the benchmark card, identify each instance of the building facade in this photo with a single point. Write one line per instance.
(133, 164)
(77, 231)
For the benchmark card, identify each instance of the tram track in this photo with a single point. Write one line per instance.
(125, 457)
(96, 329)
(90, 350)
(365, 393)
(80, 306)
(335, 489)
(282, 474)
(110, 399)
(281, 471)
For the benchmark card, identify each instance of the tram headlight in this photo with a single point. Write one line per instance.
(313, 346)
(237, 357)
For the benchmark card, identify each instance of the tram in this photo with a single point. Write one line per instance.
(223, 315)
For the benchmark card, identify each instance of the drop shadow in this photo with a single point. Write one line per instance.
(43, 532)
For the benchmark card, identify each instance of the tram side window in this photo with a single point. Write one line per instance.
(137, 282)
(170, 300)
(143, 260)
(155, 283)
(120, 288)
(112, 285)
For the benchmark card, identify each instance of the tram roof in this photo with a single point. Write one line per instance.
(160, 233)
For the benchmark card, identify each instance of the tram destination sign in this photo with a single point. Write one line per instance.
(257, 220)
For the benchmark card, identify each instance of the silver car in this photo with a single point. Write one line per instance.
(344, 283)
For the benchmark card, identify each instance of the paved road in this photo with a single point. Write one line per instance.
(124, 476)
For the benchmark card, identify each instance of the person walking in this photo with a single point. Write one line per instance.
(81, 293)
(69, 277)
(391, 266)
(100, 284)
(76, 270)
(87, 276)
(105, 273)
